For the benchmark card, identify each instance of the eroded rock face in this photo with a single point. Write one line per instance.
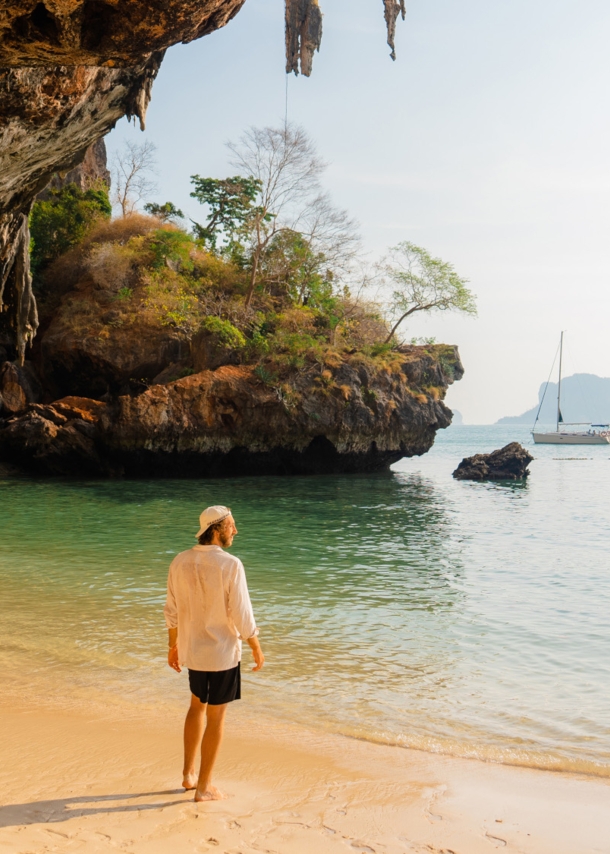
(91, 171)
(357, 417)
(93, 366)
(56, 440)
(103, 32)
(69, 69)
(48, 119)
(508, 463)
(19, 385)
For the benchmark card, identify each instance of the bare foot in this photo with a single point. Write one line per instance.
(210, 794)
(189, 781)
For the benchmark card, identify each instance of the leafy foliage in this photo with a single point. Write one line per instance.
(171, 248)
(424, 283)
(63, 219)
(269, 276)
(224, 331)
(231, 209)
(167, 212)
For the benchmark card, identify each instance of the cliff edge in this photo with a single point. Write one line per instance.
(359, 415)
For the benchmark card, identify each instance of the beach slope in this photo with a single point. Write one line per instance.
(76, 782)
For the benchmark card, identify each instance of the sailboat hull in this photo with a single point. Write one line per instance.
(570, 439)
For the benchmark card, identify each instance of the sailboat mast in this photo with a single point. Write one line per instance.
(559, 384)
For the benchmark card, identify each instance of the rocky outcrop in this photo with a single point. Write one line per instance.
(69, 69)
(48, 120)
(19, 385)
(56, 440)
(241, 420)
(92, 171)
(98, 33)
(93, 365)
(509, 463)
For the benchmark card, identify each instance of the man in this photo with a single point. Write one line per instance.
(207, 613)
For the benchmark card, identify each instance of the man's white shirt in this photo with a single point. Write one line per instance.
(208, 602)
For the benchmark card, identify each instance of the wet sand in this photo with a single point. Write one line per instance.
(81, 782)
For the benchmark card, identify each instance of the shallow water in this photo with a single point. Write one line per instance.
(403, 607)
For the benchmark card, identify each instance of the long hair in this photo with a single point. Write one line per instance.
(208, 535)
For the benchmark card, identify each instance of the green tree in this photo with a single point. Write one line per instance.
(291, 267)
(424, 283)
(258, 216)
(167, 212)
(172, 249)
(230, 202)
(61, 221)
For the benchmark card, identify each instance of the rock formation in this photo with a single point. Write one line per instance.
(391, 10)
(232, 420)
(88, 173)
(69, 69)
(508, 463)
(303, 34)
(49, 118)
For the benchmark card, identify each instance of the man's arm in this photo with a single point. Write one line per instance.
(259, 658)
(170, 612)
(241, 611)
(172, 653)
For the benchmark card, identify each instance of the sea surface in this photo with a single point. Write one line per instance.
(403, 607)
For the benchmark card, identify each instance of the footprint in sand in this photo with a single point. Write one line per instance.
(496, 840)
(366, 849)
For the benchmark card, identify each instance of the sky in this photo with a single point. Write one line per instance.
(487, 142)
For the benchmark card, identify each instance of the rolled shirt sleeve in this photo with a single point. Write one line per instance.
(240, 606)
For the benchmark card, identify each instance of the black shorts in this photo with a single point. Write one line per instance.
(216, 687)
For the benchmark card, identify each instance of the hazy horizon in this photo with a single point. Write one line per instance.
(484, 142)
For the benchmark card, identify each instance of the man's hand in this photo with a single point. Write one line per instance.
(257, 652)
(172, 658)
(172, 653)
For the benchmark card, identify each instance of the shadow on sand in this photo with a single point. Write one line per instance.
(63, 809)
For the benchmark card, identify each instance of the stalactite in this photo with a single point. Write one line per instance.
(304, 31)
(16, 297)
(392, 9)
(303, 34)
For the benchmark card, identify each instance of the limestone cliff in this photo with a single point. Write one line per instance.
(49, 118)
(69, 69)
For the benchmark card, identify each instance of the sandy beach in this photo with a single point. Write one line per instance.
(79, 782)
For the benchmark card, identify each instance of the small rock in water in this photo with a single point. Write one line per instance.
(508, 463)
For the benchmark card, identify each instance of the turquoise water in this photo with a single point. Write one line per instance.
(403, 607)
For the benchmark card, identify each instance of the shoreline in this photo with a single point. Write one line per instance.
(95, 783)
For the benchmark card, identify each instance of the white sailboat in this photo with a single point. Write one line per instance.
(597, 434)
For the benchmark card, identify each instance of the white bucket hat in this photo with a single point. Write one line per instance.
(211, 515)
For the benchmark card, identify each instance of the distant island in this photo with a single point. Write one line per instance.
(585, 398)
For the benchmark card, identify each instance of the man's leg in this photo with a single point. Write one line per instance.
(193, 733)
(210, 745)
